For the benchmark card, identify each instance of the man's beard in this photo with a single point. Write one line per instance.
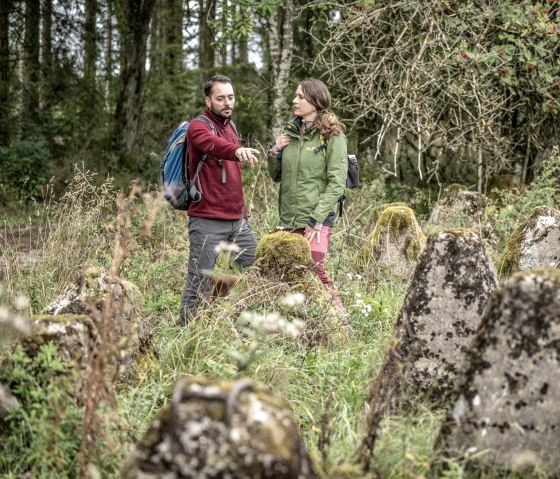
(221, 113)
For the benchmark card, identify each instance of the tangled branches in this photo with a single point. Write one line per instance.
(476, 79)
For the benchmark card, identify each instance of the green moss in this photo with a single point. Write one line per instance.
(64, 318)
(509, 261)
(453, 187)
(393, 222)
(285, 256)
(376, 213)
(551, 273)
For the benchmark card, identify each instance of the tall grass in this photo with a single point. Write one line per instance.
(326, 387)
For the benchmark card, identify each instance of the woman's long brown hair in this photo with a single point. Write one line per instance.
(317, 93)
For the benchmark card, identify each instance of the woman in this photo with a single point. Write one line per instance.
(309, 159)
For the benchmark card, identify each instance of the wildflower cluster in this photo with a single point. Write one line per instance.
(272, 322)
(294, 299)
(226, 248)
(356, 276)
(365, 308)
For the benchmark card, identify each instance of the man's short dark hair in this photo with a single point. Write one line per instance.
(215, 79)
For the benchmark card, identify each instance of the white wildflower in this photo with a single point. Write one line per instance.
(20, 302)
(294, 328)
(294, 299)
(359, 277)
(358, 295)
(349, 275)
(225, 247)
(264, 322)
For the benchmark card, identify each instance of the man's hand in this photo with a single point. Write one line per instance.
(247, 154)
(283, 140)
(310, 233)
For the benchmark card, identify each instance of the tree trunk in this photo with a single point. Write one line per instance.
(242, 51)
(31, 66)
(134, 34)
(90, 43)
(241, 46)
(46, 37)
(281, 49)
(109, 54)
(155, 39)
(224, 39)
(5, 8)
(173, 21)
(206, 54)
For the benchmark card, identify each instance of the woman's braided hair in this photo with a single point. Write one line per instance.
(317, 93)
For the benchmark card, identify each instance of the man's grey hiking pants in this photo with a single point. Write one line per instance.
(204, 237)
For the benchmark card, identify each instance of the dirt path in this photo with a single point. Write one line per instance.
(19, 245)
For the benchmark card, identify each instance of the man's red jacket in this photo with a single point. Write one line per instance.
(220, 200)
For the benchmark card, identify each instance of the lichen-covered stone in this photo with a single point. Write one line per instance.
(394, 245)
(90, 292)
(535, 244)
(506, 411)
(284, 256)
(74, 336)
(221, 430)
(462, 209)
(107, 298)
(440, 316)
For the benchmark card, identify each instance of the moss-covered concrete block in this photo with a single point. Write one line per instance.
(395, 243)
(221, 429)
(440, 316)
(506, 411)
(90, 293)
(284, 256)
(460, 208)
(110, 302)
(74, 336)
(376, 213)
(534, 244)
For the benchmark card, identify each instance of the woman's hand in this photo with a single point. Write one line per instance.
(282, 140)
(310, 233)
(247, 154)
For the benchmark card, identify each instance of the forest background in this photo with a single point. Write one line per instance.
(432, 91)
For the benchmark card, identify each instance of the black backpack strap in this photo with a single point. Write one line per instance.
(241, 140)
(341, 201)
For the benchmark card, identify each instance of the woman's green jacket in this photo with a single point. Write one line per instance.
(312, 179)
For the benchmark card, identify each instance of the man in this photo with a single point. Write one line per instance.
(219, 216)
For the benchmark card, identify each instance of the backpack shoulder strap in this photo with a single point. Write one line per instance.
(323, 145)
(208, 121)
(235, 131)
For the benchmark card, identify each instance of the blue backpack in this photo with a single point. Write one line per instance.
(178, 188)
